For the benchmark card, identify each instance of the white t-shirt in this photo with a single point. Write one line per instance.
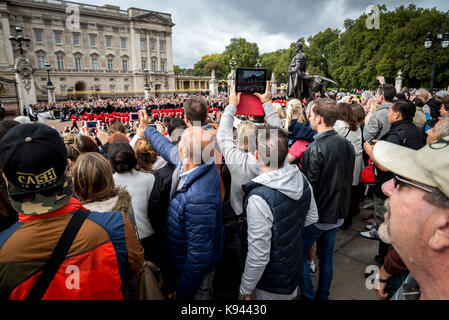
(139, 185)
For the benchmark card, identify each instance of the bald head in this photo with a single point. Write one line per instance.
(195, 146)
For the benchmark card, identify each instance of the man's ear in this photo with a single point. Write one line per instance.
(440, 239)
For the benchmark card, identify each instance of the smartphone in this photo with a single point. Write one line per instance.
(134, 117)
(91, 124)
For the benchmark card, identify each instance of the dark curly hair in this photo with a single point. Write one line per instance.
(122, 157)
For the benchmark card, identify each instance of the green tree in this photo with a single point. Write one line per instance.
(321, 48)
(245, 53)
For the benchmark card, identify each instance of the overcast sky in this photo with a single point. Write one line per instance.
(206, 26)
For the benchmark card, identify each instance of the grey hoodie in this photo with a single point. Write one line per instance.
(242, 165)
(287, 180)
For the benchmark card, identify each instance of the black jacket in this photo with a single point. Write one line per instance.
(406, 134)
(160, 199)
(328, 164)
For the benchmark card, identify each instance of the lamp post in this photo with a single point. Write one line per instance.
(147, 86)
(258, 64)
(232, 64)
(50, 86)
(435, 41)
(19, 40)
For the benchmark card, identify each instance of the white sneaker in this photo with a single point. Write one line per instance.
(370, 235)
(370, 227)
(312, 268)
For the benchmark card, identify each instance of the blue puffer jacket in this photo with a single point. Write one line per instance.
(300, 131)
(195, 232)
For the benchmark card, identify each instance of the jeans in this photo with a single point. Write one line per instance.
(325, 249)
(206, 291)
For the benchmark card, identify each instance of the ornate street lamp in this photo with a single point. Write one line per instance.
(48, 68)
(435, 41)
(258, 64)
(147, 86)
(19, 40)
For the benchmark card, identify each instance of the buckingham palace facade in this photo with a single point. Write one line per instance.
(93, 51)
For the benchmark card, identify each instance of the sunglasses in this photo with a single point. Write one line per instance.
(398, 180)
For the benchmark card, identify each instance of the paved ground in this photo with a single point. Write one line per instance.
(352, 255)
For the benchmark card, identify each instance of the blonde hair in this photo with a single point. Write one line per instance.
(146, 155)
(294, 107)
(92, 178)
(246, 132)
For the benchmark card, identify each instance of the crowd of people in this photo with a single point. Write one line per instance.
(224, 206)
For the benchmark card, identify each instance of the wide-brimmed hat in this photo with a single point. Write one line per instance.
(428, 166)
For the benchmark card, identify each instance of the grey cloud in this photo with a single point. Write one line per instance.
(205, 26)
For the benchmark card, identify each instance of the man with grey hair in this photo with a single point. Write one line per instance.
(278, 205)
(418, 219)
(438, 132)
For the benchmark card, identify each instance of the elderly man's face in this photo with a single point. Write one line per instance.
(413, 223)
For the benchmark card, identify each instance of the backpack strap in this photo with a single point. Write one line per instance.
(58, 256)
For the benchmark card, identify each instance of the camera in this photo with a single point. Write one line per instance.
(249, 80)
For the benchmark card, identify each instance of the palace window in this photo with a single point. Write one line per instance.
(60, 63)
(41, 62)
(78, 65)
(76, 39)
(58, 37)
(93, 41)
(108, 42)
(38, 34)
(95, 63)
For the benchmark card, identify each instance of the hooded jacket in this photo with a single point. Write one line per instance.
(291, 183)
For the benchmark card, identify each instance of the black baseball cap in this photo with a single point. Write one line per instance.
(33, 158)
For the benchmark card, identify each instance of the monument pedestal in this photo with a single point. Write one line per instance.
(274, 85)
(25, 83)
(51, 94)
(399, 80)
(213, 85)
(147, 92)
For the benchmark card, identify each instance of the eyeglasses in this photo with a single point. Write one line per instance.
(398, 180)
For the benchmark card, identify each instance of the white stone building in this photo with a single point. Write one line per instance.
(104, 55)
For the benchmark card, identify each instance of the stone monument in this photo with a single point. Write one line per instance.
(213, 85)
(274, 84)
(399, 80)
(25, 83)
(231, 80)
